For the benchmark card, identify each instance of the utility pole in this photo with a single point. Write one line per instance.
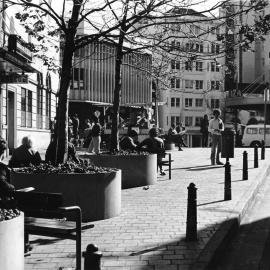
(266, 99)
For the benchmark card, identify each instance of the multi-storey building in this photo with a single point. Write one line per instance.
(194, 73)
(27, 88)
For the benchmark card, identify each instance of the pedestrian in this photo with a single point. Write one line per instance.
(25, 155)
(215, 127)
(172, 130)
(96, 137)
(155, 145)
(204, 130)
(75, 124)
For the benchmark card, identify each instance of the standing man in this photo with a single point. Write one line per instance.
(76, 123)
(215, 127)
(204, 130)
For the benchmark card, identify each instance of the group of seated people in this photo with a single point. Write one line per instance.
(152, 144)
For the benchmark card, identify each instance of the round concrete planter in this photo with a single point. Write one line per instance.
(98, 195)
(12, 243)
(137, 170)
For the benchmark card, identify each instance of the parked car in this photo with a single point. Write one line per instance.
(254, 134)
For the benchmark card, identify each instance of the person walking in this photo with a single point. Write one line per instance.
(96, 137)
(204, 130)
(215, 127)
(75, 125)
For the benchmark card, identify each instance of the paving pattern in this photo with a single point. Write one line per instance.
(149, 234)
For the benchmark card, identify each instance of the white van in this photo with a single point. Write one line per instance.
(254, 134)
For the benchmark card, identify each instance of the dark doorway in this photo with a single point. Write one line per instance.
(196, 141)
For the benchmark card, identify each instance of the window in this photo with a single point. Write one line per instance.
(214, 103)
(188, 65)
(198, 121)
(172, 102)
(177, 65)
(199, 66)
(252, 130)
(214, 67)
(78, 78)
(172, 64)
(188, 121)
(198, 102)
(189, 84)
(39, 107)
(215, 48)
(199, 84)
(267, 131)
(48, 110)
(177, 103)
(173, 83)
(175, 120)
(177, 83)
(215, 85)
(26, 108)
(188, 102)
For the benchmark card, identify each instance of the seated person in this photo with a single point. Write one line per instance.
(6, 188)
(155, 145)
(24, 155)
(172, 130)
(50, 155)
(130, 141)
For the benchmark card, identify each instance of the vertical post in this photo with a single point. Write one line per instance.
(170, 166)
(191, 227)
(256, 165)
(227, 184)
(263, 150)
(92, 258)
(245, 166)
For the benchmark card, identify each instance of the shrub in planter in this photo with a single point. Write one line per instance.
(138, 168)
(95, 189)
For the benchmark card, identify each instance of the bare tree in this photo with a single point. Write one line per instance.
(116, 21)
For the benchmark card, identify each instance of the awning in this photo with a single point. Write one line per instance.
(10, 61)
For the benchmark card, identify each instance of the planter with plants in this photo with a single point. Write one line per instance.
(96, 190)
(11, 237)
(138, 168)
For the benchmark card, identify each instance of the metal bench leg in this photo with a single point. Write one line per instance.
(78, 239)
(170, 167)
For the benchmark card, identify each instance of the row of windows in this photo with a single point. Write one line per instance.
(196, 47)
(188, 121)
(195, 66)
(255, 131)
(27, 108)
(198, 84)
(175, 102)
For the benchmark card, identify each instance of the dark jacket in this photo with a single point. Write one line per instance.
(127, 143)
(23, 156)
(96, 130)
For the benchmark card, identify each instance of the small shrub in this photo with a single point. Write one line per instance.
(85, 166)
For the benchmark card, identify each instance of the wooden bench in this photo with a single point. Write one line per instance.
(46, 216)
(167, 162)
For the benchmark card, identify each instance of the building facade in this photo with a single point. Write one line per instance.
(194, 75)
(27, 88)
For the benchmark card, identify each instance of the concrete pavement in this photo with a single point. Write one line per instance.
(149, 234)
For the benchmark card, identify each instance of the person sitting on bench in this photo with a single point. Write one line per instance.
(25, 155)
(129, 142)
(155, 145)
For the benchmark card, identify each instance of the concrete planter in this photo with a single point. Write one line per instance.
(98, 195)
(12, 243)
(137, 170)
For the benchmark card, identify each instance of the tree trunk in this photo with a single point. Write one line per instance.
(62, 108)
(114, 146)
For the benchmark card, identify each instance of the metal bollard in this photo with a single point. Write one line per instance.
(245, 166)
(227, 184)
(191, 227)
(263, 150)
(256, 162)
(92, 258)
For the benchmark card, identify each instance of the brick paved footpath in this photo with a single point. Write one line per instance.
(149, 234)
